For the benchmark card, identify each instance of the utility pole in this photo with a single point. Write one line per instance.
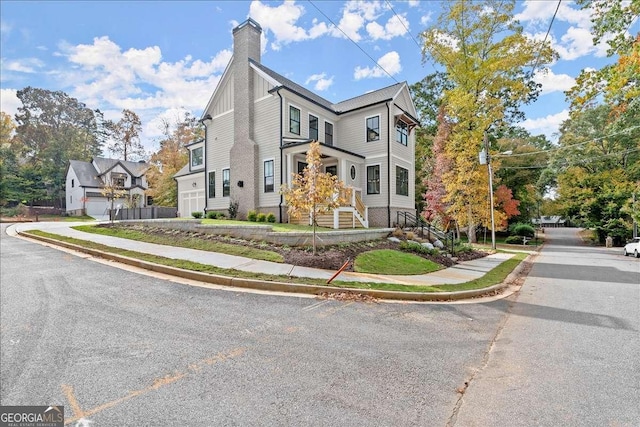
(490, 170)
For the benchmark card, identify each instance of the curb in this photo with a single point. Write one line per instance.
(282, 286)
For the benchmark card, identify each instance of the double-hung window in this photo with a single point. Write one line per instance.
(402, 181)
(373, 179)
(402, 132)
(226, 183)
(212, 184)
(373, 128)
(313, 127)
(197, 157)
(268, 176)
(294, 120)
(328, 133)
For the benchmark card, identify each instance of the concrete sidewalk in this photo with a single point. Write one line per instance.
(460, 273)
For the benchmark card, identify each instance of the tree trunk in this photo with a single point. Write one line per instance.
(471, 229)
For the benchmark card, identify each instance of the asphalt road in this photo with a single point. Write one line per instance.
(119, 348)
(568, 355)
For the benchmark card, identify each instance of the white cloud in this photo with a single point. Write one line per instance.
(548, 125)
(138, 78)
(281, 21)
(426, 19)
(552, 82)
(322, 82)
(26, 65)
(413, 3)
(539, 13)
(396, 26)
(389, 62)
(354, 16)
(5, 27)
(9, 101)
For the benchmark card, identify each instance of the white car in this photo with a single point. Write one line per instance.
(633, 247)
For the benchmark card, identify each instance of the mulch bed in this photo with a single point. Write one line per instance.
(328, 258)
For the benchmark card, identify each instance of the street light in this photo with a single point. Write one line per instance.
(485, 158)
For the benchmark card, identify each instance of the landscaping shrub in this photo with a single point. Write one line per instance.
(513, 240)
(418, 248)
(522, 229)
(398, 232)
(461, 247)
(271, 217)
(212, 215)
(252, 216)
(410, 235)
(196, 214)
(233, 209)
(261, 217)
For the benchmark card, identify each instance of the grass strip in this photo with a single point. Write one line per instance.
(277, 227)
(191, 243)
(389, 261)
(493, 277)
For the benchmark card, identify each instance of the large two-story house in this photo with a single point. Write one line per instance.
(259, 125)
(85, 182)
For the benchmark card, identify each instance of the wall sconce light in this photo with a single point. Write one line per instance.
(194, 184)
(240, 184)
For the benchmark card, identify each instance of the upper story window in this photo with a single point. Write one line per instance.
(268, 176)
(313, 127)
(402, 132)
(294, 120)
(328, 133)
(226, 183)
(73, 183)
(197, 157)
(402, 181)
(118, 179)
(373, 128)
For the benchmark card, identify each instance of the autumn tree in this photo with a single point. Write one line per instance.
(124, 140)
(313, 192)
(170, 158)
(488, 60)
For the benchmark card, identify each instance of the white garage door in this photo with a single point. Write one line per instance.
(191, 201)
(96, 207)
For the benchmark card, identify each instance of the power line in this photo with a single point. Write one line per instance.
(629, 129)
(576, 161)
(535, 65)
(352, 41)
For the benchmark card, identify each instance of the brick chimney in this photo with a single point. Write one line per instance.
(244, 152)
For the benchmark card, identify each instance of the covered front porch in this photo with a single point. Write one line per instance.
(347, 166)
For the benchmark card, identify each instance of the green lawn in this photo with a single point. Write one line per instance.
(495, 276)
(389, 261)
(191, 243)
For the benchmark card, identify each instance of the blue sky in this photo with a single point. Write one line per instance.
(160, 59)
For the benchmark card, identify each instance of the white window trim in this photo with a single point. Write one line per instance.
(201, 165)
(273, 159)
(214, 184)
(324, 132)
(309, 115)
(222, 181)
(379, 116)
(289, 119)
(395, 180)
(366, 178)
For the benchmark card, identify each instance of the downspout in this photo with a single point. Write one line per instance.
(388, 165)
(281, 165)
(206, 174)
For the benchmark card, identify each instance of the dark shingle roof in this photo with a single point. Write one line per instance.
(86, 173)
(137, 169)
(345, 106)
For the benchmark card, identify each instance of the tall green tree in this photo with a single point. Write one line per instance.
(53, 128)
(488, 60)
(170, 158)
(124, 135)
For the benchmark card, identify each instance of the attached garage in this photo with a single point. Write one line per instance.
(191, 201)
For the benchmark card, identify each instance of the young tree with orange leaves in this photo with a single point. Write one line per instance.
(314, 192)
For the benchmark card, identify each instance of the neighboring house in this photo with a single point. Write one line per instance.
(85, 181)
(259, 125)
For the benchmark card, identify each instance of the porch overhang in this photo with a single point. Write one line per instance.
(297, 146)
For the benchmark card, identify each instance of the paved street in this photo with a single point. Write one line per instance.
(119, 348)
(569, 352)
